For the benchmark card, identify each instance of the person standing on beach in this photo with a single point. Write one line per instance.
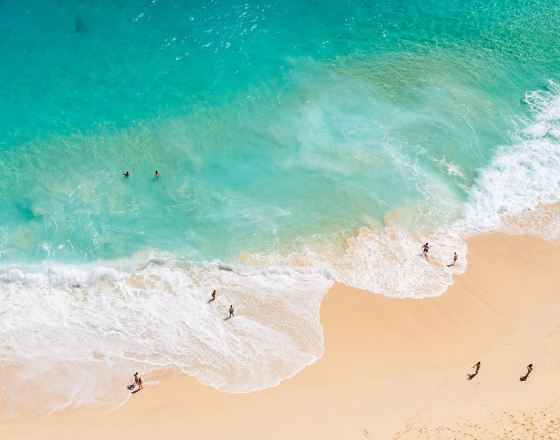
(137, 383)
(529, 369)
(454, 259)
(231, 311)
(425, 249)
(476, 368)
(213, 296)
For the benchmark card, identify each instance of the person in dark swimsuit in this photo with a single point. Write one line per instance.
(476, 368)
(231, 311)
(135, 383)
(425, 249)
(454, 259)
(126, 174)
(213, 296)
(529, 369)
(157, 174)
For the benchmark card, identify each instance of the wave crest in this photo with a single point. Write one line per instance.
(73, 335)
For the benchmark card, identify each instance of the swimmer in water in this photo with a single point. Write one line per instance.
(126, 174)
(157, 174)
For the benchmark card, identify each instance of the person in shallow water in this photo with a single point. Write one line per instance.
(425, 249)
(126, 174)
(137, 382)
(231, 311)
(157, 174)
(454, 259)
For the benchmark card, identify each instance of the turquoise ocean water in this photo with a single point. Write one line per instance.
(281, 130)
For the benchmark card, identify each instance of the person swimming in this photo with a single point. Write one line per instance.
(157, 174)
(126, 174)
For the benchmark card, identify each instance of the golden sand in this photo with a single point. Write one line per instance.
(393, 368)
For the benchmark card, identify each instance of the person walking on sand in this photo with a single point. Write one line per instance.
(529, 369)
(425, 249)
(454, 259)
(213, 296)
(231, 311)
(476, 368)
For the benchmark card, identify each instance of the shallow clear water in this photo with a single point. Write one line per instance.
(267, 121)
(280, 130)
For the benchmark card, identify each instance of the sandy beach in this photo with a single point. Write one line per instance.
(392, 368)
(295, 158)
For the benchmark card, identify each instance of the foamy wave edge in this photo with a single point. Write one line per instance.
(86, 329)
(79, 332)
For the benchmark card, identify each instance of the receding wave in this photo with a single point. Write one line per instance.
(73, 335)
(79, 332)
(522, 177)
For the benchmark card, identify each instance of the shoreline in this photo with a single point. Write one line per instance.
(392, 367)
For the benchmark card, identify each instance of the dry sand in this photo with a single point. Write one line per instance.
(392, 368)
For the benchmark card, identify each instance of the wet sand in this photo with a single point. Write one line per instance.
(393, 368)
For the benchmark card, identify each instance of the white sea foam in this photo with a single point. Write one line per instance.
(73, 335)
(522, 176)
(511, 195)
(387, 261)
(390, 262)
(80, 332)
